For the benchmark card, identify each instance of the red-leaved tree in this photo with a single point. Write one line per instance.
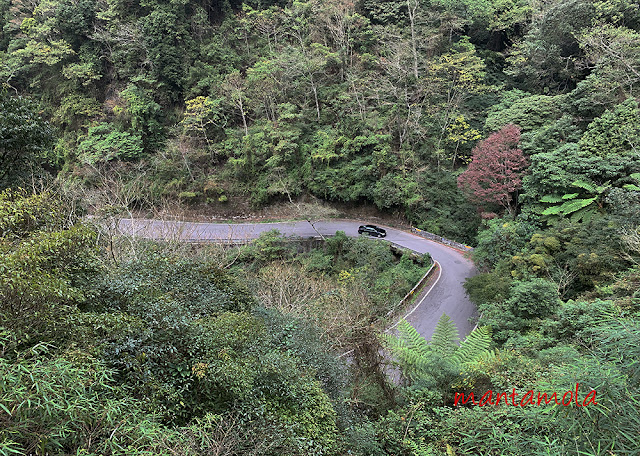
(496, 169)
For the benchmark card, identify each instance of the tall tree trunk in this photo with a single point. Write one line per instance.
(244, 116)
(314, 88)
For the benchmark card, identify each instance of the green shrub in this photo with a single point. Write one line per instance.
(105, 143)
(45, 269)
(533, 299)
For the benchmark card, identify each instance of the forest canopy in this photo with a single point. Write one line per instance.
(509, 125)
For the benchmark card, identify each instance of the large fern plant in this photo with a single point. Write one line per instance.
(417, 357)
(581, 205)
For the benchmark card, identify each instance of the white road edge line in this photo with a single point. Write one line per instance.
(412, 310)
(421, 301)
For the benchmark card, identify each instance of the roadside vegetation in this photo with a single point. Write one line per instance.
(509, 125)
(343, 286)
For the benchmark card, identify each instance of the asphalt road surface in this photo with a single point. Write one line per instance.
(447, 296)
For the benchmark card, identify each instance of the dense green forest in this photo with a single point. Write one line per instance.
(509, 125)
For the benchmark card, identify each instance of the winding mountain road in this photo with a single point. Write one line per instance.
(447, 296)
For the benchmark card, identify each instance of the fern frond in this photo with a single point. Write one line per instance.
(481, 361)
(585, 214)
(575, 205)
(551, 199)
(553, 210)
(585, 185)
(476, 344)
(416, 357)
(570, 196)
(410, 350)
(412, 338)
(445, 337)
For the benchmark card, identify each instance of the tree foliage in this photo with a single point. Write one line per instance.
(440, 113)
(25, 140)
(496, 169)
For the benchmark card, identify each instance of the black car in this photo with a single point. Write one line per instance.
(372, 230)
